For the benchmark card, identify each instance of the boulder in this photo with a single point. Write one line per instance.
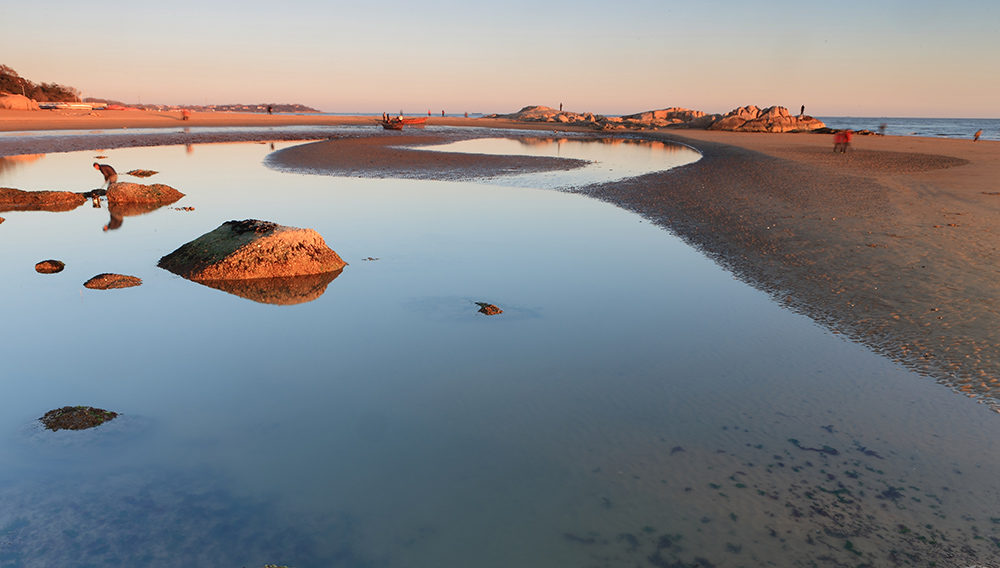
(19, 200)
(242, 250)
(17, 102)
(125, 192)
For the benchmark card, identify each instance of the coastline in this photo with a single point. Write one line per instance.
(892, 244)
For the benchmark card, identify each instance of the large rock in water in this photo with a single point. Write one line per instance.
(125, 192)
(19, 200)
(243, 250)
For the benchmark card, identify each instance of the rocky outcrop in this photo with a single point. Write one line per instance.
(109, 281)
(771, 119)
(19, 200)
(242, 250)
(50, 266)
(157, 193)
(17, 102)
(743, 119)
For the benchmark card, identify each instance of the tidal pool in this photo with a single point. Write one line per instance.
(634, 405)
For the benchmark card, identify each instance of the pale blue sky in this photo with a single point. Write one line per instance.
(875, 58)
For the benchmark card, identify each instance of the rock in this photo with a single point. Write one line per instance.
(17, 102)
(76, 418)
(488, 309)
(771, 119)
(49, 266)
(2, 220)
(19, 200)
(108, 281)
(241, 250)
(125, 192)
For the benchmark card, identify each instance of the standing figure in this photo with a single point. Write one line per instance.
(270, 109)
(802, 111)
(848, 135)
(839, 142)
(975, 137)
(110, 175)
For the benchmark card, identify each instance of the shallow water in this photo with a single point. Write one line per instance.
(633, 405)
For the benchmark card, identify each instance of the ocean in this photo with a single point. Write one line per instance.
(929, 127)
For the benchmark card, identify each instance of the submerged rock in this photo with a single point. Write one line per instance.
(249, 249)
(19, 200)
(49, 266)
(108, 281)
(125, 192)
(76, 418)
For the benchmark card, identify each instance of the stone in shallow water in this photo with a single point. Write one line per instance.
(125, 192)
(108, 281)
(488, 309)
(49, 266)
(250, 249)
(76, 418)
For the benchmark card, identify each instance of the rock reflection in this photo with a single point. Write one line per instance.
(281, 291)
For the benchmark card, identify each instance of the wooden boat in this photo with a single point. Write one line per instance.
(393, 124)
(417, 120)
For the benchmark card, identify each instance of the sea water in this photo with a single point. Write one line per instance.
(962, 128)
(632, 405)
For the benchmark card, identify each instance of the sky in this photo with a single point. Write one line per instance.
(912, 58)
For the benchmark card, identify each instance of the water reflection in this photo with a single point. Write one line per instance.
(610, 159)
(608, 412)
(284, 291)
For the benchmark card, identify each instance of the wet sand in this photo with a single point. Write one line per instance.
(892, 244)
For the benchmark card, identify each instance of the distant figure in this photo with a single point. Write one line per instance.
(109, 173)
(560, 107)
(442, 113)
(428, 112)
(466, 115)
(802, 111)
(269, 109)
(185, 114)
(881, 128)
(839, 142)
(975, 137)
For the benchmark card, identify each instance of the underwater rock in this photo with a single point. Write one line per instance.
(125, 192)
(107, 281)
(49, 266)
(250, 249)
(76, 418)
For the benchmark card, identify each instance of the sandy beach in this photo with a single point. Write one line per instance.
(892, 244)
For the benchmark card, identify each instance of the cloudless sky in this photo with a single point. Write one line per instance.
(915, 58)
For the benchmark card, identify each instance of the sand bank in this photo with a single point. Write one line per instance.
(893, 244)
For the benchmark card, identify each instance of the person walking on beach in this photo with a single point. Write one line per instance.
(839, 142)
(975, 137)
(109, 173)
(848, 135)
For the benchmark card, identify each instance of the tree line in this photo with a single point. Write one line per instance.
(11, 82)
